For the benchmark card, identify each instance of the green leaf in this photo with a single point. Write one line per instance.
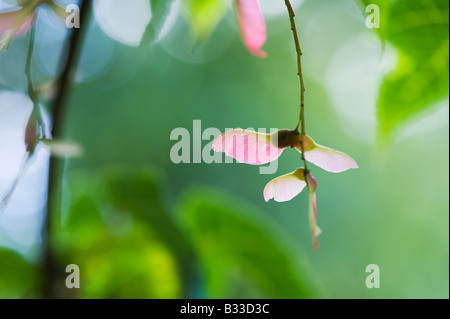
(18, 278)
(419, 30)
(204, 15)
(132, 266)
(160, 10)
(243, 253)
(384, 6)
(138, 191)
(120, 233)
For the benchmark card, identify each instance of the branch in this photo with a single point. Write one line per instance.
(68, 63)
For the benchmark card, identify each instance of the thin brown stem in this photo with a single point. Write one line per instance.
(301, 120)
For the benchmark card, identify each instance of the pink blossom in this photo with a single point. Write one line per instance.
(252, 26)
(16, 22)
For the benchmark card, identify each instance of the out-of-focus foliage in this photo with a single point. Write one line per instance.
(160, 10)
(420, 32)
(131, 238)
(117, 231)
(204, 15)
(242, 253)
(18, 278)
(127, 244)
(384, 6)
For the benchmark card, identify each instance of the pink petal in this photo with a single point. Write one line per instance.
(327, 158)
(14, 20)
(315, 230)
(286, 187)
(252, 25)
(247, 146)
(312, 182)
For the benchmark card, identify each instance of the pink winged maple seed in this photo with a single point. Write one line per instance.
(286, 187)
(327, 158)
(248, 146)
(252, 26)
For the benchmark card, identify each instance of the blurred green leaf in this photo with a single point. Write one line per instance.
(139, 192)
(134, 266)
(419, 30)
(160, 10)
(384, 6)
(18, 278)
(240, 248)
(122, 237)
(204, 15)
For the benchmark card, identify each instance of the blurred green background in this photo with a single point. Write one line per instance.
(140, 226)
